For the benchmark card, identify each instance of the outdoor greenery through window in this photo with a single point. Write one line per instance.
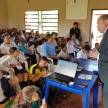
(42, 21)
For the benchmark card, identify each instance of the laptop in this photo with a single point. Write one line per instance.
(65, 72)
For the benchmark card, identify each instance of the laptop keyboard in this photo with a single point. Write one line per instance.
(61, 77)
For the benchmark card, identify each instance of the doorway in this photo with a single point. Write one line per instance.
(96, 36)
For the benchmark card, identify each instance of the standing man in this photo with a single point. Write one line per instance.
(75, 30)
(102, 55)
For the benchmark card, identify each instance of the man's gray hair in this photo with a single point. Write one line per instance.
(104, 17)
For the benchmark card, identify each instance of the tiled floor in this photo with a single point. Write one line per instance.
(75, 101)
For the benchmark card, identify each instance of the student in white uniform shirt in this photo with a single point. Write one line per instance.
(7, 44)
(70, 48)
(84, 52)
(12, 61)
(96, 47)
(75, 42)
(63, 53)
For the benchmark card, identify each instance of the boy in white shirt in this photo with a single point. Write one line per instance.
(63, 53)
(84, 52)
(75, 42)
(96, 47)
(70, 48)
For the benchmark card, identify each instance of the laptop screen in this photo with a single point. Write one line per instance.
(66, 68)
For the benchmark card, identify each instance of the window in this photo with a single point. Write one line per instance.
(96, 36)
(42, 21)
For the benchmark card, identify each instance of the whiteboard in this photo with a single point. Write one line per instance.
(76, 9)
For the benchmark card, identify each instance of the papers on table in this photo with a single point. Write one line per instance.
(84, 76)
(48, 74)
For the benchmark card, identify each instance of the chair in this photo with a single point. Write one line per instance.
(26, 66)
(39, 50)
(37, 56)
(51, 66)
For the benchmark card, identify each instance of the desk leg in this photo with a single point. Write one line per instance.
(85, 98)
(95, 96)
(47, 91)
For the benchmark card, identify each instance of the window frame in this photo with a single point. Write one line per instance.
(41, 21)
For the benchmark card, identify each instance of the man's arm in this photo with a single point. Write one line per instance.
(55, 57)
(36, 78)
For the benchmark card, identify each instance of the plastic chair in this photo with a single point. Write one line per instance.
(39, 50)
(26, 66)
(37, 56)
(51, 66)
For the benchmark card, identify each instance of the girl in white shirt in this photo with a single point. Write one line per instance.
(12, 61)
(75, 42)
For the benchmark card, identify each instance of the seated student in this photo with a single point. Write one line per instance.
(27, 52)
(37, 34)
(12, 37)
(7, 44)
(12, 61)
(87, 43)
(70, 48)
(6, 88)
(37, 72)
(63, 40)
(19, 38)
(40, 48)
(84, 52)
(30, 35)
(43, 40)
(63, 53)
(31, 42)
(47, 33)
(96, 47)
(49, 49)
(25, 98)
(54, 35)
(59, 42)
(37, 41)
(75, 42)
(22, 36)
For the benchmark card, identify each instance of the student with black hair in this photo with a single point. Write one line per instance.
(27, 52)
(12, 61)
(32, 43)
(19, 38)
(75, 42)
(22, 35)
(87, 43)
(96, 47)
(75, 30)
(49, 49)
(63, 53)
(6, 87)
(7, 44)
(38, 40)
(84, 52)
(70, 48)
(37, 34)
(37, 72)
(54, 35)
